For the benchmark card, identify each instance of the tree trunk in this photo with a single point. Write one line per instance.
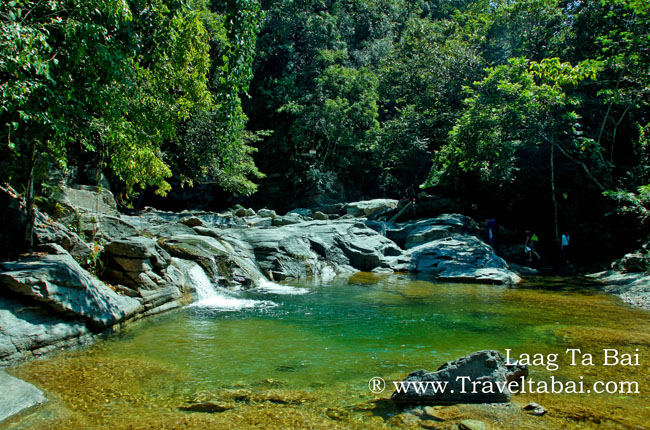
(555, 210)
(30, 213)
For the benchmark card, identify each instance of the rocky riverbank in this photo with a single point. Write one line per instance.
(96, 269)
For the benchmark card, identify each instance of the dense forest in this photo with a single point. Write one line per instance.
(535, 112)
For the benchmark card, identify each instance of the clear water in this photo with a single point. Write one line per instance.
(299, 352)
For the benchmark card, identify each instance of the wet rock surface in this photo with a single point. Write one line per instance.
(480, 377)
(29, 331)
(632, 288)
(134, 256)
(63, 286)
(17, 395)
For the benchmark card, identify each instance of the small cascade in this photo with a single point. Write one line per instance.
(214, 298)
(273, 288)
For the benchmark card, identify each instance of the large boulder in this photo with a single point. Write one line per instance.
(632, 288)
(17, 395)
(312, 248)
(414, 233)
(141, 268)
(461, 259)
(32, 331)
(225, 264)
(267, 213)
(370, 207)
(480, 377)
(48, 231)
(62, 285)
(86, 199)
(291, 218)
(98, 227)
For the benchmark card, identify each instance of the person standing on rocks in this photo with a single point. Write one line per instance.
(529, 246)
(491, 230)
(564, 245)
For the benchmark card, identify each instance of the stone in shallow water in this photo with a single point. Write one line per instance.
(471, 425)
(480, 377)
(535, 409)
(209, 407)
(17, 395)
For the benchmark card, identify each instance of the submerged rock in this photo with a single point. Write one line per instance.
(471, 425)
(17, 395)
(453, 382)
(535, 409)
(209, 407)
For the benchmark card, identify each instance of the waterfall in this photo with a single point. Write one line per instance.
(214, 298)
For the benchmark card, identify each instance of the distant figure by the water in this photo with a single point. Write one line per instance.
(529, 245)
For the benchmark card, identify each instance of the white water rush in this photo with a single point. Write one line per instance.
(213, 298)
(273, 288)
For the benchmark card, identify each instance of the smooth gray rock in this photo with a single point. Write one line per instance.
(304, 212)
(17, 395)
(632, 288)
(28, 331)
(61, 284)
(168, 223)
(320, 216)
(312, 248)
(461, 259)
(191, 221)
(168, 230)
(223, 263)
(106, 227)
(267, 213)
(258, 221)
(287, 220)
(370, 207)
(82, 198)
(139, 248)
(454, 381)
(414, 233)
(472, 425)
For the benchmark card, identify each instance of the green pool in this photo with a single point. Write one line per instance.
(301, 356)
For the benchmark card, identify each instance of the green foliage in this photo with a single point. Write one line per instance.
(116, 79)
(518, 106)
(339, 117)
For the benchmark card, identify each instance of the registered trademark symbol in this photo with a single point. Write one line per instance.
(376, 385)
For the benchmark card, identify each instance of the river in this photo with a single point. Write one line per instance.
(301, 356)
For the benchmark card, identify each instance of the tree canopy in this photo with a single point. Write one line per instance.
(538, 104)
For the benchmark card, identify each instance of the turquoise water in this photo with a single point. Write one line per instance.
(324, 339)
